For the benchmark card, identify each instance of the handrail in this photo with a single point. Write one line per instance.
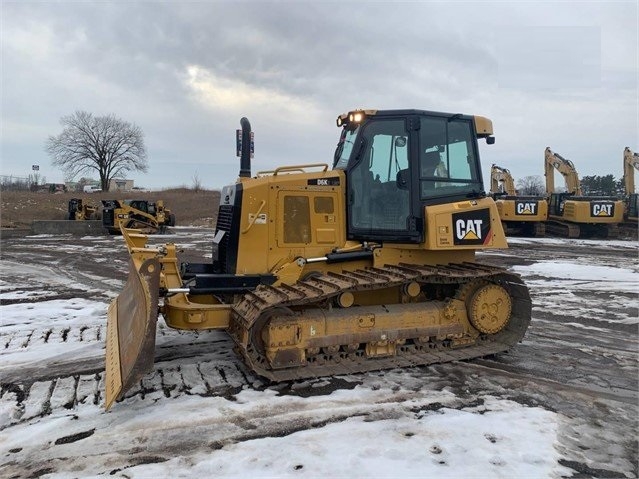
(272, 172)
(299, 168)
(252, 220)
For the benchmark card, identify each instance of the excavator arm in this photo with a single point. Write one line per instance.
(501, 181)
(566, 168)
(630, 164)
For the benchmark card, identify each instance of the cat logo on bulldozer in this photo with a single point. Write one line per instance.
(471, 227)
(526, 207)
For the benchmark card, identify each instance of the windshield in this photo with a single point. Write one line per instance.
(344, 148)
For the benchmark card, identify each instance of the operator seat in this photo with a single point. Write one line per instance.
(430, 162)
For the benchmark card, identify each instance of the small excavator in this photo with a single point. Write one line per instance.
(146, 216)
(573, 215)
(520, 215)
(320, 271)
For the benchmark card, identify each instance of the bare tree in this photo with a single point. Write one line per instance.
(105, 144)
(197, 183)
(34, 179)
(531, 185)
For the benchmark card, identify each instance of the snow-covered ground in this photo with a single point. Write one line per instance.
(563, 403)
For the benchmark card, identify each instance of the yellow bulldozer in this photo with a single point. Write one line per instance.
(80, 210)
(143, 215)
(520, 215)
(321, 271)
(570, 213)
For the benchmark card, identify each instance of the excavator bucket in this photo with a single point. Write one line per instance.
(131, 324)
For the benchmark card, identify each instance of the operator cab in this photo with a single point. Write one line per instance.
(399, 161)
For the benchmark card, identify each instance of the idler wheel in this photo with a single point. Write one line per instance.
(489, 309)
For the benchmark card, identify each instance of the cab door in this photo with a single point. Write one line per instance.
(379, 184)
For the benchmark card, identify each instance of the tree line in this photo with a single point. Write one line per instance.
(606, 185)
(595, 185)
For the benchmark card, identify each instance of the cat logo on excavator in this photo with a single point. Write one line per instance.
(603, 209)
(526, 207)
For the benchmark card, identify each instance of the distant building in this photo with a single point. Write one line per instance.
(117, 184)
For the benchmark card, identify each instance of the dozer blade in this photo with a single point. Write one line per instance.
(131, 324)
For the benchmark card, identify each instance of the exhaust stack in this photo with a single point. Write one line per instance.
(245, 154)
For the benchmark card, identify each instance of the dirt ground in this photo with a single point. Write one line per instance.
(578, 360)
(191, 208)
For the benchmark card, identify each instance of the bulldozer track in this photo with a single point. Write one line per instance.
(320, 289)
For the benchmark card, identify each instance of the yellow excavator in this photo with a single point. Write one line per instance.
(520, 215)
(630, 164)
(570, 213)
(320, 271)
(146, 216)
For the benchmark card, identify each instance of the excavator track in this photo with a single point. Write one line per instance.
(566, 229)
(539, 230)
(254, 311)
(563, 229)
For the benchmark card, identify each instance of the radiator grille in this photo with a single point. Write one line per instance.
(224, 222)
(107, 217)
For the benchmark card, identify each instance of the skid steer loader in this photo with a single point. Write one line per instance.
(146, 216)
(322, 271)
(80, 210)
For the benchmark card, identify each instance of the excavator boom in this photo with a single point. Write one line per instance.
(501, 181)
(631, 206)
(554, 161)
(630, 164)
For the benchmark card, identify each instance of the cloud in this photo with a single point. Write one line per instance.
(226, 95)
(550, 57)
(186, 73)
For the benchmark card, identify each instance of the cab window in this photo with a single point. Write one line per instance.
(448, 160)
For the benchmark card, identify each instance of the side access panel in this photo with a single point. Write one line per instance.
(462, 225)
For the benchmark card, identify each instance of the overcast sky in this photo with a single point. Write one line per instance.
(558, 74)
